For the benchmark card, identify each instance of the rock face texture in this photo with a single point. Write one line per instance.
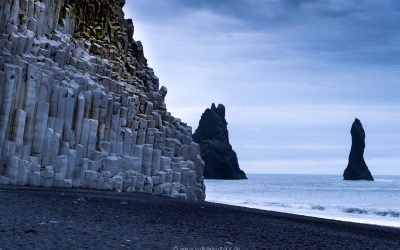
(357, 169)
(79, 107)
(212, 134)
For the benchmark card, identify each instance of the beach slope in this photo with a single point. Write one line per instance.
(41, 218)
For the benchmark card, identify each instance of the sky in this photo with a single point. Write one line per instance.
(292, 74)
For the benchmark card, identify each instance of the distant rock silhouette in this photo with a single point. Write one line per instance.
(357, 169)
(212, 134)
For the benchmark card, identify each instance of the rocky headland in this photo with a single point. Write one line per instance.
(357, 168)
(81, 108)
(212, 134)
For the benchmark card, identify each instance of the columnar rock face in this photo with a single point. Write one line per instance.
(79, 107)
(212, 134)
(357, 169)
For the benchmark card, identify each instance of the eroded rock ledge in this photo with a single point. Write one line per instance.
(81, 108)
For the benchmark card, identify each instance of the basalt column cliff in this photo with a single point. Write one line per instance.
(79, 107)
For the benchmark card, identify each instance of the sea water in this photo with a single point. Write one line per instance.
(324, 196)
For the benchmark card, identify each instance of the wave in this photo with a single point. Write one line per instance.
(296, 206)
(383, 180)
(340, 209)
(388, 213)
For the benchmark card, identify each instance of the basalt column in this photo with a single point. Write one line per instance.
(80, 107)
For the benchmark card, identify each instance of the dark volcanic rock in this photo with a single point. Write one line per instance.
(357, 169)
(212, 135)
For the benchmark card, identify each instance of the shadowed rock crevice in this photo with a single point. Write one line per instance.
(212, 134)
(357, 168)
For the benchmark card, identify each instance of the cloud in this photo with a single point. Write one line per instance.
(291, 73)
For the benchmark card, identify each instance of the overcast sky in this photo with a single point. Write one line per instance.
(293, 75)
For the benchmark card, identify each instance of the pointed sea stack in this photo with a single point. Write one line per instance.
(357, 169)
(212, 134)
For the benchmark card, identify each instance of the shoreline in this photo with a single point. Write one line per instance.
(322, 196)
(342, 217)
(76, 218)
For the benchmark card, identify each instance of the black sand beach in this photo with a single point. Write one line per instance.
(82, 219)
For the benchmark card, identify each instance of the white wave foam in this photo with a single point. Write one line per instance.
(383, 180)
(385, 217)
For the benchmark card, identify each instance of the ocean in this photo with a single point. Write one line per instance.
(324, 196)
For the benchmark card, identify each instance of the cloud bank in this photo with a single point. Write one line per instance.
(293, 75)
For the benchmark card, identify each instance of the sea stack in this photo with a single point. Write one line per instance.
(212, 134)
(357, 169)
(81, 108)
